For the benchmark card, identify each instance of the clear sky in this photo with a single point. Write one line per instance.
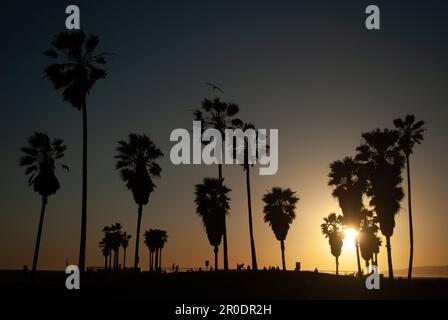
(310, 70)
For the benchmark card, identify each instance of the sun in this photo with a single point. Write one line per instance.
(349, 239)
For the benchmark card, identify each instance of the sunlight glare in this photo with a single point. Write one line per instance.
(349, 239)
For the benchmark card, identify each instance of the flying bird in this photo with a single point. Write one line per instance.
(214, 87)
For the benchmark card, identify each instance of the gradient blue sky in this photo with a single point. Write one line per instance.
(308, 68)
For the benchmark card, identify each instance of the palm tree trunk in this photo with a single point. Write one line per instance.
(216, 257)
(157, 260)
(115, 260)
(137, 237)
(160, 259)
(358, 260)
(39, 233)
(411, 229)
(337, 266)
(124, 258)
(82, 246)
(389, 258)
(251, 232)
(151, 258)
(282, 246)
(118, 258)
(105, 262)
(224, 233)
(110, 260)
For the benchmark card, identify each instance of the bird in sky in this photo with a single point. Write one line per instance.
(214, 87)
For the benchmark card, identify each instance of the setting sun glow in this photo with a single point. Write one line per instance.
(349, 239)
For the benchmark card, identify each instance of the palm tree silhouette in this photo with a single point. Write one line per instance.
(369, 240)
(212, 205)
(219, 115)
(76, 73)
(106, 247)
(111, 242)
(349, 186)
(279, 212)
(161, 237)
(332, 228)
(150, 242)
(382, 162)
(246, 167)
(136, 162)
(106, 252)
(411, 133)
(40, 156)
(124, 243)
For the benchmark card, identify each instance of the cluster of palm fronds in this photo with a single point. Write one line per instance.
(372, 180)
(114, 239)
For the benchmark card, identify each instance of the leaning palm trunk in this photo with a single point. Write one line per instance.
(282, 246)
(389, 258)
(124, 258)
(224, 233)
(411, 229)
(251, 232)
(137, 238)
(39, 233)
(82, 247)
(358, 260)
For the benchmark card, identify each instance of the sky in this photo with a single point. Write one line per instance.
(307, 68)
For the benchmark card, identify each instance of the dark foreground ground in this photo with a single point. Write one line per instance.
(234, 285)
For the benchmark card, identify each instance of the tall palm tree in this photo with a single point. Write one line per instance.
(246, 167)
(382, 162)
(212, 205)
(333, 229)
(349, 185)
(279, 212)
(124, 243)
(40, 156)
(136, 162)
(78, 68)
(411, 133)
(219, 115)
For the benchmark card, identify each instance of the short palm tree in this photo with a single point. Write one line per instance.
(40, 156)
(125, 243)
(150, 242)
(382, 162)
(369, 240)
(349, 185)
(161, 239)
(212, 205)
(136, 161)
(333, 229)
(279, 212)
(219, 115)
(78, 68)
(411, 133)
